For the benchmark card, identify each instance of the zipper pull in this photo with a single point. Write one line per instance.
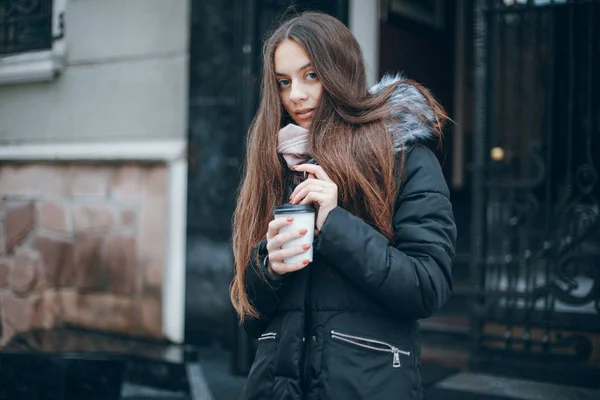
(396, 352)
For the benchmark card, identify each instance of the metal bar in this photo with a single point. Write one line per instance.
(518, 340)
(530, 276)
(550, 299)
(515, 137)
(524, 243)
(559, 351)
(549, 139)
(590, 99)
(458, 136)
(496, 50)
(525, 8)
(482, 93)
(563, 320)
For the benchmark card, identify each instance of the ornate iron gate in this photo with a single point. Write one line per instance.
(536, 222)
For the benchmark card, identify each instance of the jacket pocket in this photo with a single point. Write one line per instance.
(361, 367)
(372, 344)
(268, 336)
(259, 384)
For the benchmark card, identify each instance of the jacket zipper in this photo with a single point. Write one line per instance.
(268, 336)
(369, 344)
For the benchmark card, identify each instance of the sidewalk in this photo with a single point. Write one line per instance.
(71, 364)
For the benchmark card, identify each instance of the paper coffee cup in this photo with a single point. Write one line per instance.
(304, 218)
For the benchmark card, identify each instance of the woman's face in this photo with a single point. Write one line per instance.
(299, 88)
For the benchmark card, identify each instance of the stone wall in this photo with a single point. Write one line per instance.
(82, 244)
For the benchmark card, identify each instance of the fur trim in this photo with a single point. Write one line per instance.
(412, 118)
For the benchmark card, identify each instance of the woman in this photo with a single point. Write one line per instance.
(345, 325)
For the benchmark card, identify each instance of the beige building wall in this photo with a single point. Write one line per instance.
(125, 77)
(93, 176)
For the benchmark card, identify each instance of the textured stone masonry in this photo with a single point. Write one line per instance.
(82, 244)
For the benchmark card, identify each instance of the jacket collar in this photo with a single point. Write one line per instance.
(412, 117)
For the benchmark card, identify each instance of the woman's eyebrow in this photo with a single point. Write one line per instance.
(300, 69)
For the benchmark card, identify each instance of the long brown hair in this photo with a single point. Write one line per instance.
(348, 139)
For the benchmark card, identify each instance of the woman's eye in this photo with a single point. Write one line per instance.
(284, 82)
(311, 76)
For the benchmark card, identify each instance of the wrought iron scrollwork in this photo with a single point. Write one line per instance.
(577, 273)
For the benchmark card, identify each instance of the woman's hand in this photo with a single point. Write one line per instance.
(319, 190)
(276, 240)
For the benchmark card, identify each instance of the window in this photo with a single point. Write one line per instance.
(25, 25)
(32, 45)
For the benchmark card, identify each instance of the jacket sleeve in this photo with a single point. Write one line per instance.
(413, 277)
(263, 290)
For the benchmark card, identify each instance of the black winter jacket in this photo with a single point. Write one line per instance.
(345, 327)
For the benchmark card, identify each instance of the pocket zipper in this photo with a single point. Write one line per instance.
(268, 335)
(368, 344)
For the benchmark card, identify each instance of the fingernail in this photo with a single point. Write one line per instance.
(305, 262)
(306, 246)
(303, 231)
(290, 219)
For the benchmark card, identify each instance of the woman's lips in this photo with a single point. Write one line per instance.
(305, 114)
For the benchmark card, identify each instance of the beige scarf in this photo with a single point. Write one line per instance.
(292, 143)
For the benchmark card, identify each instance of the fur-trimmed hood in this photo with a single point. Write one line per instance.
(412, 118)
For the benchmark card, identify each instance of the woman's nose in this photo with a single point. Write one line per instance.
(297, 93)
